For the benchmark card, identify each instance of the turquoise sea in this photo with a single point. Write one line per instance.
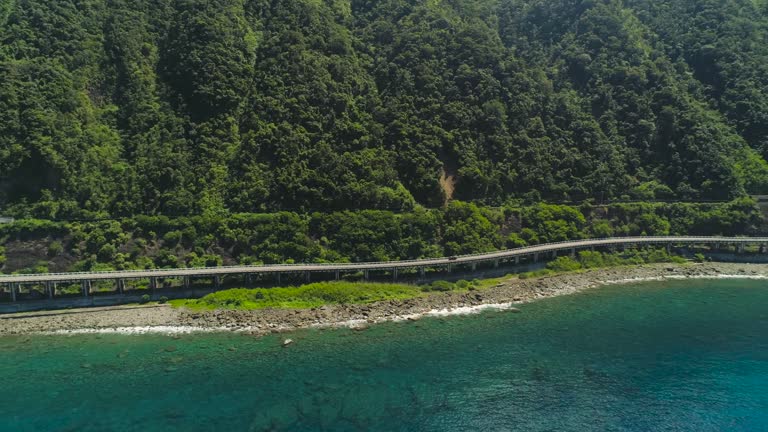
(671, 356)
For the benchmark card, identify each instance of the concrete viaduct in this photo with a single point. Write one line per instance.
(49, 281)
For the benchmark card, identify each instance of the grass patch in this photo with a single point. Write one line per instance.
(344, 292)
(303, 297)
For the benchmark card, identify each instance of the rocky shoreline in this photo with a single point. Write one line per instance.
(165, 319)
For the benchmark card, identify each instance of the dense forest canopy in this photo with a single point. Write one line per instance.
(183, 107)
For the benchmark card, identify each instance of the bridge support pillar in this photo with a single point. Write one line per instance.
(394, 274)
(495, 263)
(669, 248)
(536, 257)
(573, 252)
(517, 260)
(248, 279)
(153, 283)
(365, 274)
(449, 268)
(13, 292)
(762, 248)
(86, 287)
(554, 254)
(338, 275)
(421, 272)
(740, 248)
(121, 286)
(307, 276)
(474, 266)
(278, 277)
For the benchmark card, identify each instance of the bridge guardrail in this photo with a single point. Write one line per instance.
(459, 259)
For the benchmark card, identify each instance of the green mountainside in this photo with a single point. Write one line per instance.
(114, 108)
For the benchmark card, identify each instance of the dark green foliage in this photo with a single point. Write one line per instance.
(723, 43)
(460, 228)
(591, 260)
(440, 286)
(113, 108)
(468, 230)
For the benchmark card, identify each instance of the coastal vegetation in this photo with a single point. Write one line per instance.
(346, 293)
(145, 242)
(302, 297)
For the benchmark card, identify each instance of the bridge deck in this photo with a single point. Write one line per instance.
(391, 265)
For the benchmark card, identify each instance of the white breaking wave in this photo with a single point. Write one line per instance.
(462, 310)
(140, 330)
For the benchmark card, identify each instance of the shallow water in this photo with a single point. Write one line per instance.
(673, 356)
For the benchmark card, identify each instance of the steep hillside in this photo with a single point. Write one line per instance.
(125, 107)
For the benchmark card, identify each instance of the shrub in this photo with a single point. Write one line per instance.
(39, 267)
(658, 256)
(591, 259)
(107, 253)
(163, 299)
(564, 264)
(55, 248)
(602, 229)
(677, 259)
(462, 284)
(172, 238)
(145, 299)
(515, 241)
(441, 286)
(699, 258)
(610, 260)
(166, 259)
(189, 234)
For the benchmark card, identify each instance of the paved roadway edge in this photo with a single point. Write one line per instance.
(389, 265)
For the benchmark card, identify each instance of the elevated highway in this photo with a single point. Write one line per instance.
(12, 283)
